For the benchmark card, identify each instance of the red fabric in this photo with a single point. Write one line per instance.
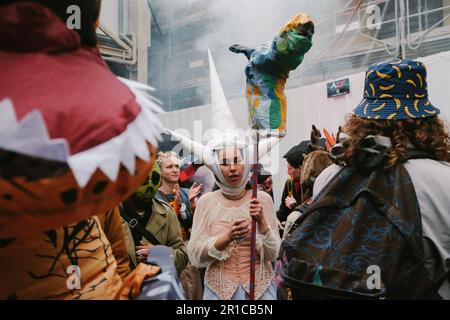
(188, 173)
(44, 66)
(297, 189)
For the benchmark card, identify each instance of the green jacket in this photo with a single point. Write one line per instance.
(164, 225)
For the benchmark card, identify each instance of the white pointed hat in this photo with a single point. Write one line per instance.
(224, 134)
(224, 131)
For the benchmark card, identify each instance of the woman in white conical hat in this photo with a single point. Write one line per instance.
(220, 237)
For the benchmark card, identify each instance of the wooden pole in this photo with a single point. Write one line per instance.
(253, 231)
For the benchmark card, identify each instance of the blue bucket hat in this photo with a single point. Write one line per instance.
(396, 90)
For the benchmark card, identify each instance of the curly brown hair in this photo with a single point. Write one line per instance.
(426, 134)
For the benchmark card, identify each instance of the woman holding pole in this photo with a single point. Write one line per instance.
(238, 261)
(221, 239)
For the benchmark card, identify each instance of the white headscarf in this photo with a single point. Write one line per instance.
(226, 188)
(225, 136)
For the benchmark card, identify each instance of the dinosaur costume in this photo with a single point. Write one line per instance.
(74, 141)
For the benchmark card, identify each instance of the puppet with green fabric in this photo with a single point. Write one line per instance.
(268, 70)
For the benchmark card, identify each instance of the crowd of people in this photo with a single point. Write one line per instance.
(377, 195)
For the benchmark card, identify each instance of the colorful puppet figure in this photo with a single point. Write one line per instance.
(223, 134)
(268, 70)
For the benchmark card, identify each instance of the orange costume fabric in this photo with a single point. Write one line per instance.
(111, 223)
(36, 267)
(66, 123)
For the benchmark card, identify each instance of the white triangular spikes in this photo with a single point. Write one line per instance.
(8, 119)
(222, 118)
(128, 159)
(83, 166)
(110, 164)
(144, 99)
(30, 136)
(124, 148)
(152, 128)
(150, 131)
(57, 148)
(140, 149)
(33, 123)
(135, 85)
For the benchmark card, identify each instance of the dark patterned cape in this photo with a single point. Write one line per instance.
(359, 223)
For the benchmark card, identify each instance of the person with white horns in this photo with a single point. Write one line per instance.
(220, 237)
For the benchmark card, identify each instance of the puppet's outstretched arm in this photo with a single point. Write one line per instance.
(241, 49)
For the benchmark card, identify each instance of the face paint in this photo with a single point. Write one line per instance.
(151, 185)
